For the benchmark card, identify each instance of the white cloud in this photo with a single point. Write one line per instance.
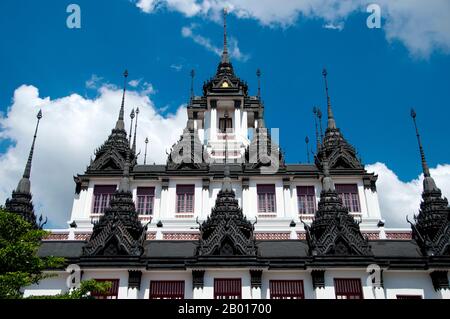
(235, 52)
(71, 129)
(135, 83)
(93, 82)
(334, 26)
(398, 199)
(422, 26)
(176, 67)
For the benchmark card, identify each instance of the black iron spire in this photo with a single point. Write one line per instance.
(319, 116)
(135, 131)
(120, 124)
(428, 182)
(131, 123)
(258, 74)
(192, 83)
(21, 199)
(315, 111)
(307, 148)
(331, 121)
(145, 154)
(225, 57)
(24, 184)
(432, 227)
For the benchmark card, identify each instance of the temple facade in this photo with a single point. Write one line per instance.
(227, 217)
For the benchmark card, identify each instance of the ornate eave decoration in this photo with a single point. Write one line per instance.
(334, 232)
(118, 231)
(226, 232)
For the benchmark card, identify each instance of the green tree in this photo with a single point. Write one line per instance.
(20, 265)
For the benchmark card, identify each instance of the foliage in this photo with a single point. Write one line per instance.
(86, 287)
(20, 265)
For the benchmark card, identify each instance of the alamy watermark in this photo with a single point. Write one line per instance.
(73, 21)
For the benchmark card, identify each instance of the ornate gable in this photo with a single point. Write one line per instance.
(334, 231)
(226, 232)
(188, 152)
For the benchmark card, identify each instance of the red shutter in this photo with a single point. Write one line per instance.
(112, 293)
(145, 191)
(305, 190)
(286, 289)
(265, 188)
(348, 288)
(227, 288)
(185, 189)
(104, 189)
(169, 289)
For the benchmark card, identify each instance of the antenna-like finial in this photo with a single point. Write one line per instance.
(258, 74)
(319, 115)
(120, 124)
(192, 83)
(131, 124)
(315, 111)
(331, 122)
(307, 148)
(145, 154)
(24, 183)
(135, 131)
(225, 58)
(426, 170)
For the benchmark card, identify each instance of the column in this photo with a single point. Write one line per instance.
(287, 197)
(255, 280)
(134, 283)
(198, 283)
(213, 122)
(318, 281)
(206, 209)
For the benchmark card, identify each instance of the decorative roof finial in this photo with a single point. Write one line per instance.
(131, 124)
(124, 185)
(327, 182)
(428, 181)
(315, 111)
(225, 58)
(192, 83)
(258, 74)
(145, 154)
(319, 115)
(135, 131)
(307, 147)
(331, 122)
(24, 183)
(120, 124)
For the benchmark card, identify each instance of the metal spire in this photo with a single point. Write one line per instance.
(135, 131)
(124, 185)
(145, 154)
(24, 183)
(258, 74)
(319, 115)
(315, 111)
(131, 124)
(327, 182)
(331, 122)
(307, 148)
(425, 169)
(428, 181)
(192, 83)
(225, 58)
(120, 124)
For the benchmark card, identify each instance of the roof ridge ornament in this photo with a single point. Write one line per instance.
(135, 131)
(120, 124)
(331, 121)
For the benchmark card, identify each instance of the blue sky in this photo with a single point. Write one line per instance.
(374, 79)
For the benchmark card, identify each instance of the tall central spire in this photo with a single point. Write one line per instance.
(331, 122)
(24, 184)
(428, 182)
(225, 57)
(120, 125)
